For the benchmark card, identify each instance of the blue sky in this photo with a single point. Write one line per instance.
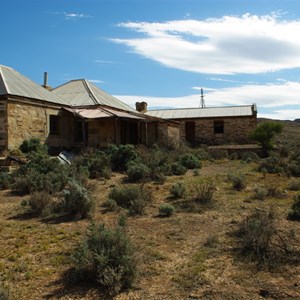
(162, 51)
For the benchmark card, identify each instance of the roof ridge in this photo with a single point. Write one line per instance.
(89, 90)
(210, 107)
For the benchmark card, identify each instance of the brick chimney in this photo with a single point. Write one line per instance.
(141, 106)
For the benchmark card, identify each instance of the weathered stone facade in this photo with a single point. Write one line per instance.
(235, 130)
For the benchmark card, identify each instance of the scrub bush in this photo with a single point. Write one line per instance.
(177, 190)
(190, 161)
(238, 181)
(131, 197)
(121, 155)
(107, 258)
(294, 213)
(137, 171)
(166, 210)
(76, 201)
(178, 169)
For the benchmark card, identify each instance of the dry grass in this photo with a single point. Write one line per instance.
(186, 256)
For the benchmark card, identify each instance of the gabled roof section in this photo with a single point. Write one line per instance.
(15, 84)
(81, 92)
(207, 112)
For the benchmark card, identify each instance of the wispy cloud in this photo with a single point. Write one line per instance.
(100, 61)
(95, 81)
(277, 98)
(229, 45)
(73, 15)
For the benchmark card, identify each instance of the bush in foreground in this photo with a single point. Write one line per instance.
(106, 257)
(294, 213)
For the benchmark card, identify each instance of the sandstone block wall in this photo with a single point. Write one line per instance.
(236, 130)
(3, 125)
(25, 121)
(101, 133)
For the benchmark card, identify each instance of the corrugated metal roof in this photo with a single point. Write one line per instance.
(208, 112)
(81, 92)
(16, 84)
(98, 112)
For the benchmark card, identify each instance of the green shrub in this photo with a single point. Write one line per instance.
(249, 156)
(111, 205)
(294, 184)
(76, 201)
(5, 180)
(256, 234)
(260, 193)
(272, 164)
(131, 197)
(106, 257)
(96, 162)
(202, 154)
(294, 213)
(33, 145)
(218, 153)
(121, 155)
(264, 134)
(42, 173)
(166, 210)
(178, 169)
(4, 292)
(137, 171)
(202, 193)
(238, 181)
(177, 190)
(39, 203)
(190, 161)
(233, 156)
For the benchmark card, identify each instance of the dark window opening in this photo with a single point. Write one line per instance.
(190, 132)
(54, 124)
(218, 127)
(81, 131)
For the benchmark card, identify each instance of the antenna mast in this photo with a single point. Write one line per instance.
(202, 104)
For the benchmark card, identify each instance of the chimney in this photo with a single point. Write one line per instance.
(45, 85)
(141, 106)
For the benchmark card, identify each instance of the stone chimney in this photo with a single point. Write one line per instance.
(141, 106)
(45, 85)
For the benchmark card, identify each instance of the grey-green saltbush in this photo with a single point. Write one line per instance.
(106, 257)
(178, 169)
(177, 190)
(132, 197)
(76, 201)
(166, 210)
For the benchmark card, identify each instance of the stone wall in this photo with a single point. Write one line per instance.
(101, 133)
(3, 125)
(168, 135)
(236, 130)
(25, 121)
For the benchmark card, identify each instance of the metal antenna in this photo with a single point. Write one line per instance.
(202, 99)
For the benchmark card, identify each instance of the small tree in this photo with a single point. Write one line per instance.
(264, 134)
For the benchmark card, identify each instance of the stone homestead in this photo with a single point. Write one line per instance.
(74, 115)
(78, 114)
(212, 125)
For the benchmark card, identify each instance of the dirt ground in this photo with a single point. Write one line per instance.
(190, 255)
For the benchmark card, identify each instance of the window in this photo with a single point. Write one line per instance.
(54, 124)
(218, 127)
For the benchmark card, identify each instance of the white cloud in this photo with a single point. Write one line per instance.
(228, 45)
(273, 98)
(95, 81)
